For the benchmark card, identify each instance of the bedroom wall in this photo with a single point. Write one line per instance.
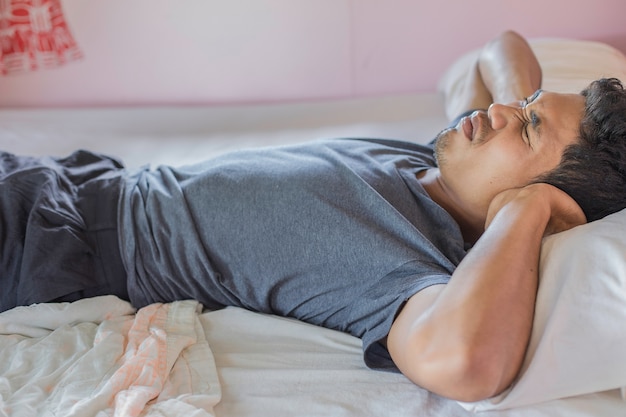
(242, 51)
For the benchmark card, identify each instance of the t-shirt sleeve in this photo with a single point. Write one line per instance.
(375, 354)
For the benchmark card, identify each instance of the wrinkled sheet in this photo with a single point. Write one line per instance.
(95, 357)
(272, 366)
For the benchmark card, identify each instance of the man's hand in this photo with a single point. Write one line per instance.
(506, 70)
(564, 212)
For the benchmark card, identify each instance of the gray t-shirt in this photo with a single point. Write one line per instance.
(337, 233)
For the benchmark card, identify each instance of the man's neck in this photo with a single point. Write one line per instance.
(472, 226)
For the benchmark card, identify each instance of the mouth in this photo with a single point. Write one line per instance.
(468, 127)
(473, 126)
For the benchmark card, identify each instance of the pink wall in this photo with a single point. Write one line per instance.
(223, 51)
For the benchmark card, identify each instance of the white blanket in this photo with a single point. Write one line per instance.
(96, 358)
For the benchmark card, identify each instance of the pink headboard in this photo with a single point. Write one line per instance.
(223, 51)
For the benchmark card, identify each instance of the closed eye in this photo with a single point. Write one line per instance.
(530, 117)
(525, 121)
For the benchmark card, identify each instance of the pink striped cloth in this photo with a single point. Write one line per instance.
(95, 357)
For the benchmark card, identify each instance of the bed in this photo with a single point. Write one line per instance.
(101, 357)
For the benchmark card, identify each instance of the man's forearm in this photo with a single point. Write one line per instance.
(494, 289)
(509, 68)
(483, 317)
(506, 70)
(466, 340)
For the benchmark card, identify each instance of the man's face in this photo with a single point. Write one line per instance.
(507, 146)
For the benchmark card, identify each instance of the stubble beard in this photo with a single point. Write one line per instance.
(441, 142)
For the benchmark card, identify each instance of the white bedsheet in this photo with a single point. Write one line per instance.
(271, 366)
(95, 357)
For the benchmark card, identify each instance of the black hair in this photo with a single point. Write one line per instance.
(593, 170)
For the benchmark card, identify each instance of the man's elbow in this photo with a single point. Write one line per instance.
(478, 378)
(468, 375)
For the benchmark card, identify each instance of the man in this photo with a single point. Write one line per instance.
(467, 339)
(363, 236)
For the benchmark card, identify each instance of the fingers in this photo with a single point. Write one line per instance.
(564, 213)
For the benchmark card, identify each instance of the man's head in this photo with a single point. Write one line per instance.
(506, 147)
(593, 170)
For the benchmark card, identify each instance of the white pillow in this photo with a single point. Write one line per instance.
(578, 342)
(568, 65)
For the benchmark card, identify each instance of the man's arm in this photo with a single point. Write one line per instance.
(466, 340)
(509, 68)
(506, 70)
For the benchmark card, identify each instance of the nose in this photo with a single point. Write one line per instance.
(501, 114)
